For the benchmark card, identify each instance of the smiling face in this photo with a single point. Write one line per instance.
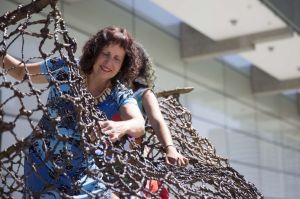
(108, 62)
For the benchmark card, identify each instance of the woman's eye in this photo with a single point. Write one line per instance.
(117, 60)
(104, 54)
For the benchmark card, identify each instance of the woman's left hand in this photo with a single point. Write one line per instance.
(115, 130)
(175, 158)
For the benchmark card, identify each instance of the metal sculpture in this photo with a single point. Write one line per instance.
(127, 171)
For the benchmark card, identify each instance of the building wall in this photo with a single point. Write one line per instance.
(260, 135)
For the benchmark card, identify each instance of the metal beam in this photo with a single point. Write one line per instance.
(195, 45)
(287, 10)
(264, 84)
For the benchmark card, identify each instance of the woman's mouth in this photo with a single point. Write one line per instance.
(105, 69)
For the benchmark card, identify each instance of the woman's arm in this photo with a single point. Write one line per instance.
(19, 69)
(160, 128)
(132, 123)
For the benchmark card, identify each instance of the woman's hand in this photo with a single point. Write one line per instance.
(175, 158)
(115, 130)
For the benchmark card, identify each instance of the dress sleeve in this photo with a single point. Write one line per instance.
(138, 95)
(124, 96)
(53, 68)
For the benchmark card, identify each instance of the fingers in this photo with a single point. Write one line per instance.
(167, 160)
(106, 127)
(182, 161)
(186, 161)
(110, 133)
(111, 129)
(104, 124)
(114, 137)
(172, 160)
(178, 160)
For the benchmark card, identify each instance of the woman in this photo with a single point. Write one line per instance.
(108, 58)
(148, 104)
(142, 87)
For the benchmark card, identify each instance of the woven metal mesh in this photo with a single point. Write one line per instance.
(127, 171)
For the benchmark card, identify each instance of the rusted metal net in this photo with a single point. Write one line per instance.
(126, 171)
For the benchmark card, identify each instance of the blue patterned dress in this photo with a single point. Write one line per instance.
(45, 160)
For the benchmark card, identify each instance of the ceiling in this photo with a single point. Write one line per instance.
(279, 58)
(223, 20)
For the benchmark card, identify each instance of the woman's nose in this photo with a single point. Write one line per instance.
(108, 61)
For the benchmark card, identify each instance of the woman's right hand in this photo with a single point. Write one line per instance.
(115, 130)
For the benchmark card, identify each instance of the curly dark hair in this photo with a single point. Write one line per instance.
(104, 37)
(146, 73)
